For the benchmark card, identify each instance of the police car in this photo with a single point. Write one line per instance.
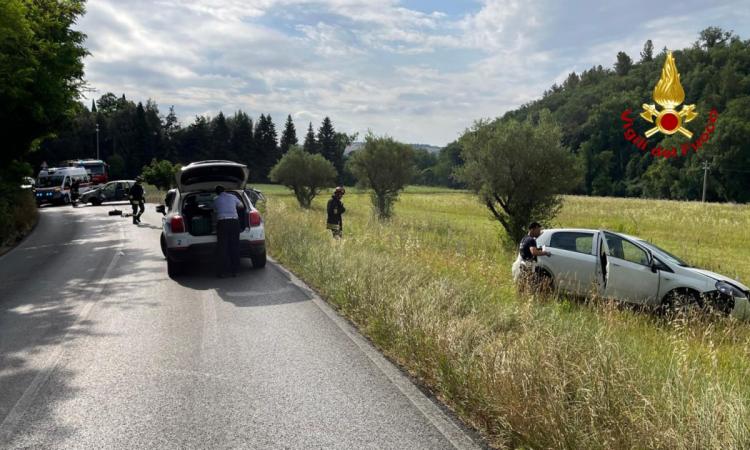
(189, 222)
(631, 269)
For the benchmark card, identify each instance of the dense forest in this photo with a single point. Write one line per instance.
(715, 73)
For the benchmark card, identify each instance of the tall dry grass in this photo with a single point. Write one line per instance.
(432, 289)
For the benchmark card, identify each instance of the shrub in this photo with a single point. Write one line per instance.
(161, 174)
(305, 174)
(518, 170)
(385, 166)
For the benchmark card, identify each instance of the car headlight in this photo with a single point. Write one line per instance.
(730, 290)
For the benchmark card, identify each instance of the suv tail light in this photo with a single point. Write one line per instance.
(177, 224)
(253, 218)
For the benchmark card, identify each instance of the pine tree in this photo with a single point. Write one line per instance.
(170, 129)
(265, 141)
(93, 106)
(289, 136)
(243, 143)
(623, 64)
(220, 138)
(328, 144)
(647, 54)
(310, 145)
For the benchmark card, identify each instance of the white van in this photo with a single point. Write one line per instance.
(53, 184)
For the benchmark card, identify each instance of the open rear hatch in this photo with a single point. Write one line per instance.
(206, 175)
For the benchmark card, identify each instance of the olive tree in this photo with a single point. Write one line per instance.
(161, 174)
(305, 174)
(518, 170)
(385, 166)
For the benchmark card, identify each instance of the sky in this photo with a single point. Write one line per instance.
(419, 71)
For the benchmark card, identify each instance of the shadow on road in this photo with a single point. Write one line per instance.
(251, 288)
(45, 285)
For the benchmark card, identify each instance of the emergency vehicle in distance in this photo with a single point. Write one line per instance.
(54, 183)
(96, 168)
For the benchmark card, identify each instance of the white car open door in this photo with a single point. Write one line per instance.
(626, 270)
(602, 264)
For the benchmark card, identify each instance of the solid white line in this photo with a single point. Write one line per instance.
(11, 420)
(454, 434)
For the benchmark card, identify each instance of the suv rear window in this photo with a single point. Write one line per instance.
(573, 241)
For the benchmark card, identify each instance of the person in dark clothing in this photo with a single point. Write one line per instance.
(137, 200)
(528, 252)
(75, 189)
(527, 248)
(335, 210)
(227, 232)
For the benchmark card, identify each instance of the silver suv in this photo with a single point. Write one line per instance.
(628, 268)
(189, 222)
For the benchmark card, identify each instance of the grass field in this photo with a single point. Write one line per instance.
(432, 289)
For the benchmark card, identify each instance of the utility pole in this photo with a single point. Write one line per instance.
(705, 179)
(97, 141)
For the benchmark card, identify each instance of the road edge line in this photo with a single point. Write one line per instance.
(452, 432)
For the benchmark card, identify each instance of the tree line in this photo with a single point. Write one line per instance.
(131, 135)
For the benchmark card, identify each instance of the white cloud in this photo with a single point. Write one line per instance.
(421, 76)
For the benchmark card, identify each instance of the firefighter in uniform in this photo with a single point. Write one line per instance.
(335, 210)
(137, 200)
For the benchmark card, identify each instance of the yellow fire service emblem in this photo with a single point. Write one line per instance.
(669, 94)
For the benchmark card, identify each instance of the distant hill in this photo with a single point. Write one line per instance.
(430, 148)
(714, 72)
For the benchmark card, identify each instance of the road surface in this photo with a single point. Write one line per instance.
(100, 349)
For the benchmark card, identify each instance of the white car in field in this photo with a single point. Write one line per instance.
(189, 222)
(631, 269)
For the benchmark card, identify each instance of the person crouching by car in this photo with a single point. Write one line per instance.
(335, 210)
(137, 200)
(527, 253)
(227, 232)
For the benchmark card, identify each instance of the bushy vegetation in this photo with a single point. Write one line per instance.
(18, 214)
(161, 174)
(305, 174)
(432, 289)
(518, 170)
(41, 76)
(385, 166)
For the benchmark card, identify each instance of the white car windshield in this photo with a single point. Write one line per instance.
(663, 254)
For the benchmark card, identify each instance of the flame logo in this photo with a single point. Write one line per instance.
(669, 94)
(668, 91)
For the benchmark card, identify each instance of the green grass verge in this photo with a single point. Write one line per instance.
(432, 289)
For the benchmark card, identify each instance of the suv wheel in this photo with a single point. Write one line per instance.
(96, 201)
(259, 261)
(174, 268)
(163, 242)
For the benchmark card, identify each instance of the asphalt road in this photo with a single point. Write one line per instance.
(100, 349)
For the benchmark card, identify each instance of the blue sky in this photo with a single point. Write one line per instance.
(420, 71)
